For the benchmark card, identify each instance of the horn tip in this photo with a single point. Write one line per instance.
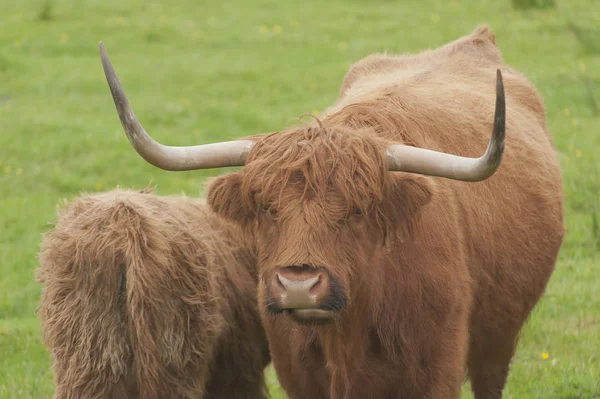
(499, 83)
(103, 53)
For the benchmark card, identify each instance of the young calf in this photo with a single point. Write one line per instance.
(151, 297)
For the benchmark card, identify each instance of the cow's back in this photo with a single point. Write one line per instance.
(443, 100)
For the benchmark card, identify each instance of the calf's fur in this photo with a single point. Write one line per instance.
(148, 296)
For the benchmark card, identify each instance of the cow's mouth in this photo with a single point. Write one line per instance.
(305, 315)
(312, 316)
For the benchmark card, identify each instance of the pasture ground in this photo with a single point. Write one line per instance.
(206, 71)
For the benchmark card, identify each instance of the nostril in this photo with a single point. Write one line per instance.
(280, 281)
(316, 287)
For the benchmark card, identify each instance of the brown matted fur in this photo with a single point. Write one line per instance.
(439, 275)
(148, 296)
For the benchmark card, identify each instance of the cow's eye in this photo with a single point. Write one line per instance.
(269, 210)
(355, 215)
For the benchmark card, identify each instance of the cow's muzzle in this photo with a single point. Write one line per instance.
(308, 294)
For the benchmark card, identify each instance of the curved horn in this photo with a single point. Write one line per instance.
(403, 158)
(216, 155)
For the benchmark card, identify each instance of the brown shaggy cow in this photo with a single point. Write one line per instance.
(388, 267)
(150, 297)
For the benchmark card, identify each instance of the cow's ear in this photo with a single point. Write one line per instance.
(407, 195)
(225, 197)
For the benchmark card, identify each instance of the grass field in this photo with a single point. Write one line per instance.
(205, 72)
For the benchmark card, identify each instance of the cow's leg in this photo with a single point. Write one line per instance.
(492, 346)
(489, 366)
(496, 324)
(440, 341)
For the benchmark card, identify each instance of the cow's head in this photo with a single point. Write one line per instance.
(320, 200)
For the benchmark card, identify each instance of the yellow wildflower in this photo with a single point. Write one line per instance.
(263, 29)
(19, 171)
(196, 131)
(7, 169)
(574, 122)
(64, 37)
(277, 29)
(98, 186)
(566, 112)
(545, 356)
(578, 153)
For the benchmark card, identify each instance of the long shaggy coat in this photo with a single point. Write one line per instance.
(150, 297)
(439, 275)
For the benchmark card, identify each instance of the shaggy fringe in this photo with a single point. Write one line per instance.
(317, 158)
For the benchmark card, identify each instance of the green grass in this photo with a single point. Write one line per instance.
(201, 73)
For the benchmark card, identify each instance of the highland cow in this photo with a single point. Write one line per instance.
(393, 261)
(148, 296)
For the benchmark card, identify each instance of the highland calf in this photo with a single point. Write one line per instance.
(150, 297)
(392, 261)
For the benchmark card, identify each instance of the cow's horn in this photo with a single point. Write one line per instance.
(418, 160)
(216, 155)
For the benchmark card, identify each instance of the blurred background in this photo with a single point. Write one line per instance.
(204, 71)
